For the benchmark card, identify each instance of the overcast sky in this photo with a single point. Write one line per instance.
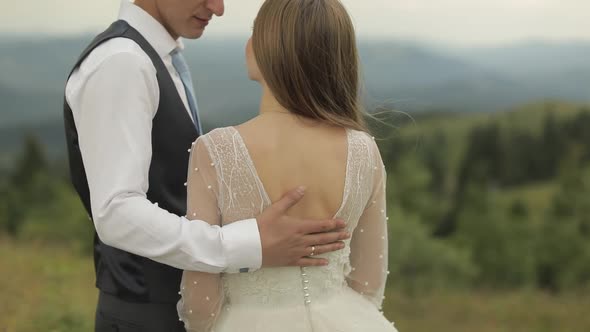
(459, 22)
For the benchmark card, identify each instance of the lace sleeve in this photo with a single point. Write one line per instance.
(202, 293)
(368, 246)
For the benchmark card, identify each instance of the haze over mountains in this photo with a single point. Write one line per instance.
(407, 76)
(415, 77)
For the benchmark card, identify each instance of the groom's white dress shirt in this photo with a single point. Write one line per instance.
(114, 97)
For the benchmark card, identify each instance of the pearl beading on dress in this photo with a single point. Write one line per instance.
(305, 282)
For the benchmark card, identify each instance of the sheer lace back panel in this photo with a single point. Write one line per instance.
(362, 265)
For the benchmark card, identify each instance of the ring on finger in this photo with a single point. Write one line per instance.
(312, 251)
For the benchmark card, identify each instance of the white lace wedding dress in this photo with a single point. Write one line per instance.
(345, 296)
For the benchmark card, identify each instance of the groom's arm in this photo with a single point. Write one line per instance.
(114, 104)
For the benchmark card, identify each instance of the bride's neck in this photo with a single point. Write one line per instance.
(269, 104)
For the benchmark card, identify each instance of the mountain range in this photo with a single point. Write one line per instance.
(405, 76)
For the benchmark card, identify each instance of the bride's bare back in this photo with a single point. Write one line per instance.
(288, 151)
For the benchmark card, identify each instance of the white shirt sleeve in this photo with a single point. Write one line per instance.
(115, 108)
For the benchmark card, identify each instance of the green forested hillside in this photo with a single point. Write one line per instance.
(498, 199)
(489, 225)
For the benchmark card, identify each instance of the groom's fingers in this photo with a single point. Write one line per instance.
(323, 249)
(309, 260)
(325, 238)
(321, 226)
(287, 201)
(305, 261)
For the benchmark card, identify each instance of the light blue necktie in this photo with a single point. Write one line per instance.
(181, 67)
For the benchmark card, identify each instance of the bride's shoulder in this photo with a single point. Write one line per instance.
(368, 144)
(216, 136)
(216, 146)
(221, 131)
(364, 137)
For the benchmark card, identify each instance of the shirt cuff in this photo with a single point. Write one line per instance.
(242, 246)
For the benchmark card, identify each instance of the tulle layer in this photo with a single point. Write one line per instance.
(345, 312)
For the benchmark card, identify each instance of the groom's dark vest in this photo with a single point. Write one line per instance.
(123, 274)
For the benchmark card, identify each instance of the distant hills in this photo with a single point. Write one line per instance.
(413, 76)
(406, 76)
(522, 59)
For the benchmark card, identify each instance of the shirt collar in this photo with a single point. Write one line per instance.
(152, 30)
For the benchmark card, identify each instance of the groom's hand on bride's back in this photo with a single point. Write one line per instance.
(291, 241)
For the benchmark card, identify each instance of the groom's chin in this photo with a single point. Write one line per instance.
(194, 34)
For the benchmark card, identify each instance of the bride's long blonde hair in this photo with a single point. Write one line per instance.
(306, 51)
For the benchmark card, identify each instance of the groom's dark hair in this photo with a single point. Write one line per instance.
(306, 51)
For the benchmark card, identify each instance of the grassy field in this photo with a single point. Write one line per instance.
(490, 312)
(51, 289)
(45, 289)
